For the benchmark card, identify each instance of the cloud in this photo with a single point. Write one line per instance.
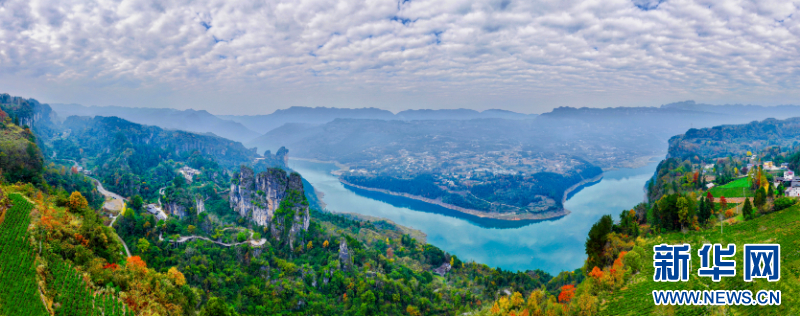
(427, 48)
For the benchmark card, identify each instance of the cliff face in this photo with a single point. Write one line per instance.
(175, 209)
(259, 196)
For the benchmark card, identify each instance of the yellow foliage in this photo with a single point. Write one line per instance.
(495, 309)
(517, 300)
(77, 201)
(176, 276)
(325, 244)
(310, 245)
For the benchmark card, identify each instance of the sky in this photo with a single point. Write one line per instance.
(253, 57)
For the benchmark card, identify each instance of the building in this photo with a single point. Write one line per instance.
(709, 186)
(784, 166)
(788, 175)
(793, 192)
(769, 165)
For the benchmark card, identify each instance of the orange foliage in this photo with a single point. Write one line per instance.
(80, 239)
(136, 263)
(729, 213)
(111, 266)
(596, 273)
(524, 313)
(567, 293)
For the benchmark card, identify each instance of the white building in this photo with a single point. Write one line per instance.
(788, 175)
(793, 192)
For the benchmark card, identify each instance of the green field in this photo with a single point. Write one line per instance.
(780, 228)
(733, 189)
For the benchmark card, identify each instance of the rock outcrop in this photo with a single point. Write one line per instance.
(260, 196)
(344, 256)
(175, 209)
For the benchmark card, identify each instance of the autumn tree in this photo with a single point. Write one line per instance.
(723, 203)
(176, 276)
(567, 293)
(77, 202)
(683, 211)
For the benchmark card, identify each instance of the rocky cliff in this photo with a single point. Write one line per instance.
(271, 198)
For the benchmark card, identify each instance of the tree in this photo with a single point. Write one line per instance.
(595, 243)
(137, 202)
(760, 198)
(567, 293)
(77, 202)
(414, 311)
(241, 237)
(723, 203)
(176, 276)
(217, 307)
(683, 211)
(191, 229)
(143, 245)
(710, 197)
(747, 210)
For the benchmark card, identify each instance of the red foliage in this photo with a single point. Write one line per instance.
(567, 293)
(710, 197)
(112, 266)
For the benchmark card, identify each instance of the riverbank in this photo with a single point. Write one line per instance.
(477, 213)
(578, 185)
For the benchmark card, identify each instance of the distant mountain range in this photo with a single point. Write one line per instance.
(322, 115)
(608, 137)
(187, 120)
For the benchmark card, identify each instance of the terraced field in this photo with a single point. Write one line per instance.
(781, 227)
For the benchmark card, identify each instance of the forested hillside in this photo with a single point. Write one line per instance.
(720, 185)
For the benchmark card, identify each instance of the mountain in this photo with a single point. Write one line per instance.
(188, 120)
(305, 115)
(322, 115)
(459, 114)
(99, 134)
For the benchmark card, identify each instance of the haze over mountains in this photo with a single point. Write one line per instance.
(609, 137)
(322, 115)
(187, 120)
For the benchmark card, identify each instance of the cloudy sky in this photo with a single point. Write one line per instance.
(252, 57)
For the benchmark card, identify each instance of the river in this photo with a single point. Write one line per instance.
(553, 245)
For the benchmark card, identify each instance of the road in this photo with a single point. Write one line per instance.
(114, 202)
(254, 243)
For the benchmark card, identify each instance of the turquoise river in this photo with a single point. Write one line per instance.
(552, 245)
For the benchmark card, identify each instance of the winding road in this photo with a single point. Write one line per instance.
(115, 202)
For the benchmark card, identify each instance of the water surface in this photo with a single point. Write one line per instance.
(553, 245)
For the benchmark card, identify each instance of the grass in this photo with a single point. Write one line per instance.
(737, 188)
(776, 228)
